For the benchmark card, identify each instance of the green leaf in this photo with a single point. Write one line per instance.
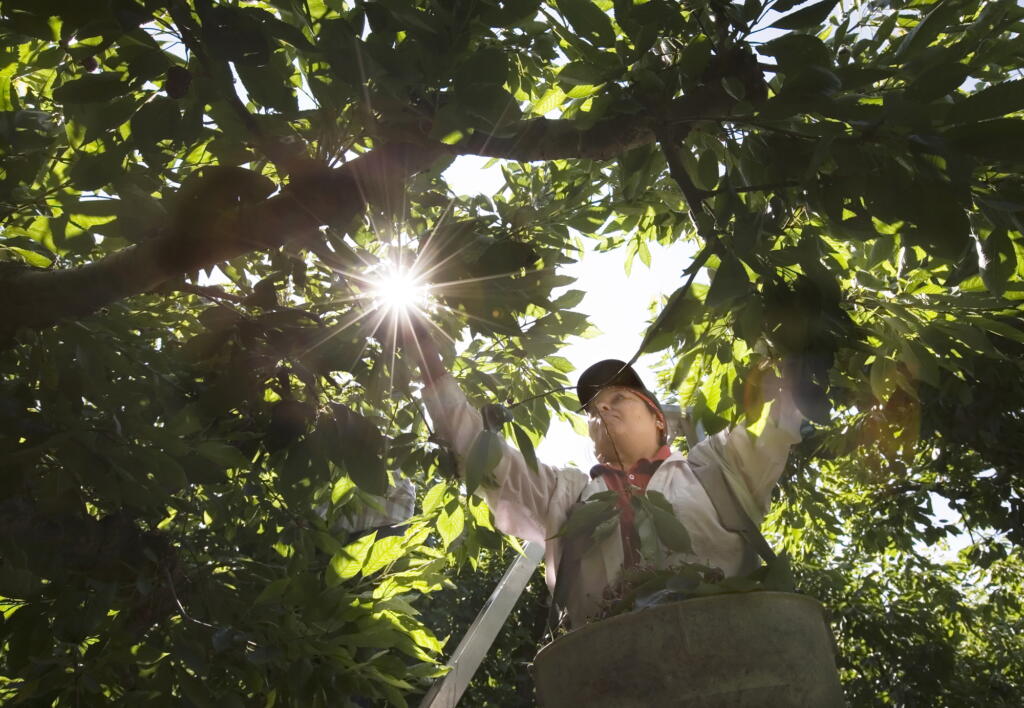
(342, 489)
(169, 474)
(433, 498)
(657, 499)
(785, 5)
(29, 255)
(748, 323)
(93, 171)
(480, 512)
(694, 58)
(579, 73)
(734, 87)
(561, 363)
(227, 456)
(384, 552)
(810, 16)
(491, 106)
(287, 33)
(1003, 329)
(92, 88)
(882, 378)
(670, 530)
(589, 21)
(730, 282)
(359, 448)
(681, 309)
(236, 35)
(155, 121)
(1000, 261)
(506, 256)
(273, 590)
(938, 80)
(707, 170)
(925, 31)
(997, 139)
(349, 562)
(526, 448)
(993, 102)
(605, 529)
(779, 575)
(488, 65)
(797, 51)
(551, 100)
(484, 455)
(919, 362)
(682, 370)
(586, 517)
(269, 85)
(450, 526)
(6, 74)
(811, 81)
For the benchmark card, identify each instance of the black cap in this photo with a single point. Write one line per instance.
(610, 372)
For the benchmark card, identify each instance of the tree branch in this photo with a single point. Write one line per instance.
(543, 139)
(769, 187)
(691, 193)
(38, 298)
(210, 292)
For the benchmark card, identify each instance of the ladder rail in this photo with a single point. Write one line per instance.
(477, 641)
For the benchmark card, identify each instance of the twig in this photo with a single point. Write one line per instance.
(213, 292)
(181, 608)
(753, 188)
(695, 204)
(208, 291)
(695, 265)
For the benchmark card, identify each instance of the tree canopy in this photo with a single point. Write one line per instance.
(181, 451)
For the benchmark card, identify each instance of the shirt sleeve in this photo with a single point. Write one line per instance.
(523, 502)
(396, 507)
(753, 464)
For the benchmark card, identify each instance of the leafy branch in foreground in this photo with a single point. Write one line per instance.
(196, 199)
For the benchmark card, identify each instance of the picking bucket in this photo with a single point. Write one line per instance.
(722, 651)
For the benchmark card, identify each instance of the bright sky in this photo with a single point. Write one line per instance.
(617, 305)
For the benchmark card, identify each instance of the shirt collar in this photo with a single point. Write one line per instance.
(645, 466)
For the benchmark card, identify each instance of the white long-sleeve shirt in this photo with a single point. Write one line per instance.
(534, 506)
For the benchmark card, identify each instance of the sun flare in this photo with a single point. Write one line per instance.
(398, 290)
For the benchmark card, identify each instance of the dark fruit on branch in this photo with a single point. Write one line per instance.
(177, 82)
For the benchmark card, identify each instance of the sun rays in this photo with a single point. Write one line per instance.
(408, 269)
(398, 290)
(408, 278)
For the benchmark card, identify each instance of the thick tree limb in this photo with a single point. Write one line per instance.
(38, 298)
(543, 139)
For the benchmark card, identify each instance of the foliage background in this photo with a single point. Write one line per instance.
(179, 456)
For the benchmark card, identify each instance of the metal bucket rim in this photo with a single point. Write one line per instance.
(626, 617)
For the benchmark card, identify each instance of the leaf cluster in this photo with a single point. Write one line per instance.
(181, 464)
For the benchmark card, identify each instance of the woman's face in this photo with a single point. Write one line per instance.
(619, 418)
